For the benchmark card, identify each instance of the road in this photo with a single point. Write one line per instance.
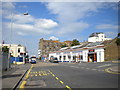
(71, 75)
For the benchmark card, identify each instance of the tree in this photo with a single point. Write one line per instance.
(75, 42)
(118, 34)
(64, 45)
(118, 40)
(5, 49)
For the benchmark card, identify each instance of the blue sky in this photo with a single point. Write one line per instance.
(57, 20)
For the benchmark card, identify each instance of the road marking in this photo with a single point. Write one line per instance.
(35, 74)
(68, 87)
(108, 71)
(93, 69)
(26, 77)
(57, 78)
(23, 84)
(104, 65)
(62, 82)
(53, 75)
(87, 68)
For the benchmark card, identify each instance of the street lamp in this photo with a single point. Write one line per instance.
(12, 17)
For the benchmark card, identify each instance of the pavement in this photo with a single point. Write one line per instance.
(12, 76)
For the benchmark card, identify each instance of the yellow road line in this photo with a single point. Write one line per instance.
(57, 78)
(26, 77)
(23, 84)
(108, 71)
(61, 82)
(53, 75)
(68, 87)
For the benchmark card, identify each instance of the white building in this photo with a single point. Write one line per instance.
(97, 37)
(92, 52)
(17, 51)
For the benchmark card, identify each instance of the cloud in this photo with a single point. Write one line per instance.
(72, 11)
(21, 34)
(111, 34)
(44, 27)
(53, 38)
(8, 5)
(106, 26)
(45, 23)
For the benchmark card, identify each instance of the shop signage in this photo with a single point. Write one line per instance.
(92, 50)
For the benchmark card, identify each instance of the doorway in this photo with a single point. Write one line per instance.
(92, 57)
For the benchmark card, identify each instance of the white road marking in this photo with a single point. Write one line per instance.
(104, 65)
(87, 68)
(93, 69)
(74, 66)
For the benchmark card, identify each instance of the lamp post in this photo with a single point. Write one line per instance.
(10, 39)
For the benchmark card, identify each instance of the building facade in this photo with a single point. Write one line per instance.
(98, 37)
(17, 51)
(83, 53)
(47, 46)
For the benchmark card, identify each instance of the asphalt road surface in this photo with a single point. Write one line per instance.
(71, 75)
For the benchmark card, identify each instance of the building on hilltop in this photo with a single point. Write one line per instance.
(47, 46)
(98, 37)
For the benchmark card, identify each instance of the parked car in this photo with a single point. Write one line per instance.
(33, 60)
(54, 60)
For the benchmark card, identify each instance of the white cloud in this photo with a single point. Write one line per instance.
(8, 5)
(72, 11)
(21, 33)
(106, 26)
(43, 27)
(53, 38)
(45, 23)
(111, 34)
(20, 18)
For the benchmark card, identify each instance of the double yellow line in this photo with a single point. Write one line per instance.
(22, 86)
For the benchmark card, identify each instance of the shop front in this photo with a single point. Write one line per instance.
(92, 56)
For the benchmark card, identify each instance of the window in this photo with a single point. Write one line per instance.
(60, 57)
(18, 50)
(64, 57)
(69, 57)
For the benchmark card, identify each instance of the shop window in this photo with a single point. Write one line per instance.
(69, 57)
(74, 57)
(60, 57)
(64, 57)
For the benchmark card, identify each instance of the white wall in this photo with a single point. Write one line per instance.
(100, 54)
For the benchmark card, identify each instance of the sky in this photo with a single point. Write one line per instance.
(56, 20)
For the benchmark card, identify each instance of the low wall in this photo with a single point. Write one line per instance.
(4, 62)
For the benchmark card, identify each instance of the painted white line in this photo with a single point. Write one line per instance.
(93, 69)
(87, 68)
(105, 65)
(74, 66)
